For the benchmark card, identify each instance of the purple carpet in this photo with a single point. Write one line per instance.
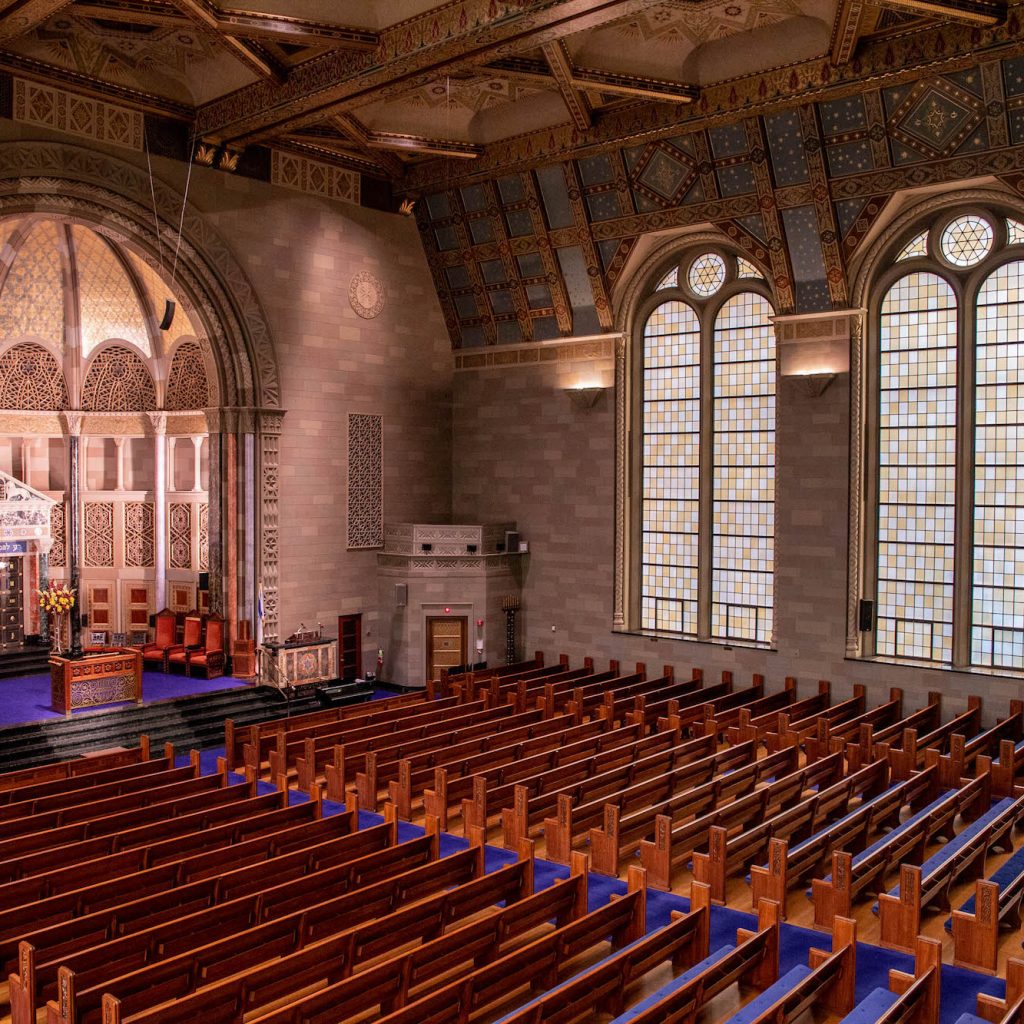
(26, 699)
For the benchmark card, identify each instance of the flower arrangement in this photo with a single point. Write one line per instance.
(56, 599)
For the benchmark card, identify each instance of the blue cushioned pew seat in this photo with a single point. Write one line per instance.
(1011, 869)
(867, 1011)
(670, 987)
(958, 843)
(770, 995)
(907, 826)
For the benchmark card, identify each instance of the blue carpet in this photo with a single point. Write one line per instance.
(25, 699)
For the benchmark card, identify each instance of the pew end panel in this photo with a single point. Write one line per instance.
(926, 980)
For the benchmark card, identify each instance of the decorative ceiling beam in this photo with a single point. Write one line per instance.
(456, 37)
(971, 12)
(592, 80)
(203, 13)
(421, 144)
(352, 128)
(846, 31)
(323, 151)
(577, 103)
(24, 15)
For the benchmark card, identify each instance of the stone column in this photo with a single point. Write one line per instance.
(44, 582)
(159, 422)
(26, 460)
(172, 456)
(270, 424)
(74, 526)
(119, 444)
(197, 462)
(215, 520)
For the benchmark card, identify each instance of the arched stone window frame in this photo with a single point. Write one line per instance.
(874, 275)
(638, 300)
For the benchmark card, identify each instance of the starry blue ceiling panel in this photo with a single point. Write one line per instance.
(545, 328)
(607, 250)
(1013, 76)
(845, 115)
(555, 195)
(786, 142)
(892, 98)
(847, 212)
(530, 264)
(577, 284)
(493, 271)
(538, 296)
(458, 277)
(509, 332)
(596, 170)
(511, 189)
(474, 198)
(849, 157)
(447, 239)
(473, 337)
(501, 301)
(1017, 124)
(977, 143)
(632, 156)
(482, 230)
(728, 140)
(802, 238)
(754, 224)
(696, 193)
(736, 179)
(684, 143)
(970, 79)
(438, 206)
(519, 223)
(604, 205)
(645, 204)
(466, 306)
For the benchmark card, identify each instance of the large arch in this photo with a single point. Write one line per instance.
(118, 200)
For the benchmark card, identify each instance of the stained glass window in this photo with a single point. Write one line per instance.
(917, 246)
(671, 469)
(916, 473)
(670, 280)
(745, 269)
(1014, 232)
(997, 618)
(743, 522)
(707, 274)
(710, 362)
(967, 241)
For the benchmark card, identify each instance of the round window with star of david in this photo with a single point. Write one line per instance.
(707, 274)
(967, 240)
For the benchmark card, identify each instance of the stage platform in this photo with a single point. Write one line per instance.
(26, 699)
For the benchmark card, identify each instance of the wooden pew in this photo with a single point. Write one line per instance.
(832, 736)
(416, 774)
(756, 728)
(907, 753)
(976, 924)
(595, 777)
(74, 902)
(76, 767)
(300, 914)
(315, 753)
(729, 855)
(497, 691)
(1007, 768)
(383, 766)
(754, 960)
(263, 734)
(872, 743)
(444, 686)
(787, 865)
(296, 979)
(614, 707)
(672, 715)
(602, 698)
(701, 784)
(718, 721)
(471, 784)
(674, 844)
(852, 875)
(603, 988)
(628, 821)
(910, 998)
(1009, 1009)
(964, 753)
(793, 732)
(930, 883)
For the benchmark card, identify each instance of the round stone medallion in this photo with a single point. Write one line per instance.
(366, 294)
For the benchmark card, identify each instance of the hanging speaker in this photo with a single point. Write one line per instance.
(866, 616)
(204, 581)
(168, 319)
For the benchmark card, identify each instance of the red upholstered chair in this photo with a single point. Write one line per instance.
(193, 640)
(155, 654)
(210, 658)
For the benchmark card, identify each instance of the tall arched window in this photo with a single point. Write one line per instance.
(946, 544)
(704, 415)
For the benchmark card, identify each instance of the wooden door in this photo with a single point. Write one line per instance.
(12, 602)
(350, 647)
(446, 643)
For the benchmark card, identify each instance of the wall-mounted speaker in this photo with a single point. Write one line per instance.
(426, 547)
(85, 620)
(165, 324)
(511, 541)
(866, 616)
(401, 595)
(204, 581)
(471, 549)
(152, 620)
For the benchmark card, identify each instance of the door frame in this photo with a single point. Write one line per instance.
(23, 573)
(429, 645)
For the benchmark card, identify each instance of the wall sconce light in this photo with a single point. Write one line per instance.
(812, 385)
(584, 397)
(426, 547)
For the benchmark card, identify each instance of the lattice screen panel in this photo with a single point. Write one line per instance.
(138, 534)
(743, 515)
(671, 469)
(99, 534)
(917, 467)
(365, 481)
(179, 547)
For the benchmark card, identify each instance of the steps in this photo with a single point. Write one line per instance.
(28, 661)
(196, 721)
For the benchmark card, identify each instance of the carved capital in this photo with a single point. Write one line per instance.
(73, 420)
(158, 420)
